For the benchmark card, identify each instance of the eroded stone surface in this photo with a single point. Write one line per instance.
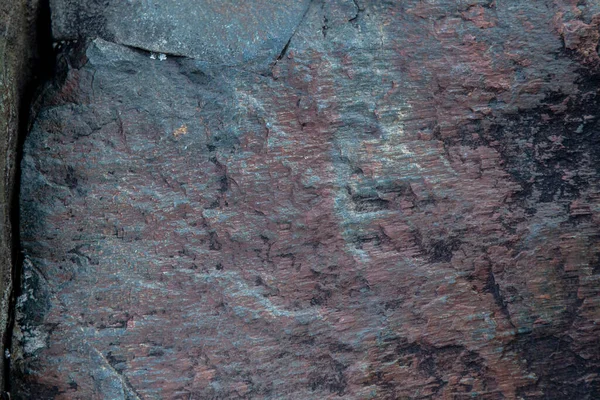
(405, 206)
(216, 31)
(18, 56)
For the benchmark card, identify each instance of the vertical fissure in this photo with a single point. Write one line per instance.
(40, 64)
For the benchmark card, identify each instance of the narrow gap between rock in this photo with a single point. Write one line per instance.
(42, 70)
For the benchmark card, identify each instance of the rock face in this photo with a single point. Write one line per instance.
(18, 52)
(341, 199)
(223, 32)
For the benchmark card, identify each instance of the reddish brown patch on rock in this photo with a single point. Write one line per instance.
(404, 208)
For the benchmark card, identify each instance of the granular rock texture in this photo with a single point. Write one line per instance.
(371, 200)
(18, 53)
(227, 32)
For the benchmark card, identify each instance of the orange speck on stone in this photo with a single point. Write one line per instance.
(182, 130)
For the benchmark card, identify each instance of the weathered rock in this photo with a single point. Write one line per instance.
(215, 31)
(404, 204)
(18, 50)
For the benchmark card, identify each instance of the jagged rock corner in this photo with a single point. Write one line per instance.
(310, 200)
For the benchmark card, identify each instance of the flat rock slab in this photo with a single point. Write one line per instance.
(226, 32)
(405, 204)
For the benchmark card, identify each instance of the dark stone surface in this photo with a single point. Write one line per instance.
(227, 32)
(401, 202)
(18, 54)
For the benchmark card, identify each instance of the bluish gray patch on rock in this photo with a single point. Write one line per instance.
(221, 32)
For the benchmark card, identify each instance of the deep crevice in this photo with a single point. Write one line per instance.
(42, 69)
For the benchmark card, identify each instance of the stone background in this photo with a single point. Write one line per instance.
(19, 29)
(311, 200)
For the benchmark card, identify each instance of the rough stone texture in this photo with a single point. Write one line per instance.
(403, 205)
(227, 32)
(18, 49)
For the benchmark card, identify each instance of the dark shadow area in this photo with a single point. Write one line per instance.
(41, 69)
